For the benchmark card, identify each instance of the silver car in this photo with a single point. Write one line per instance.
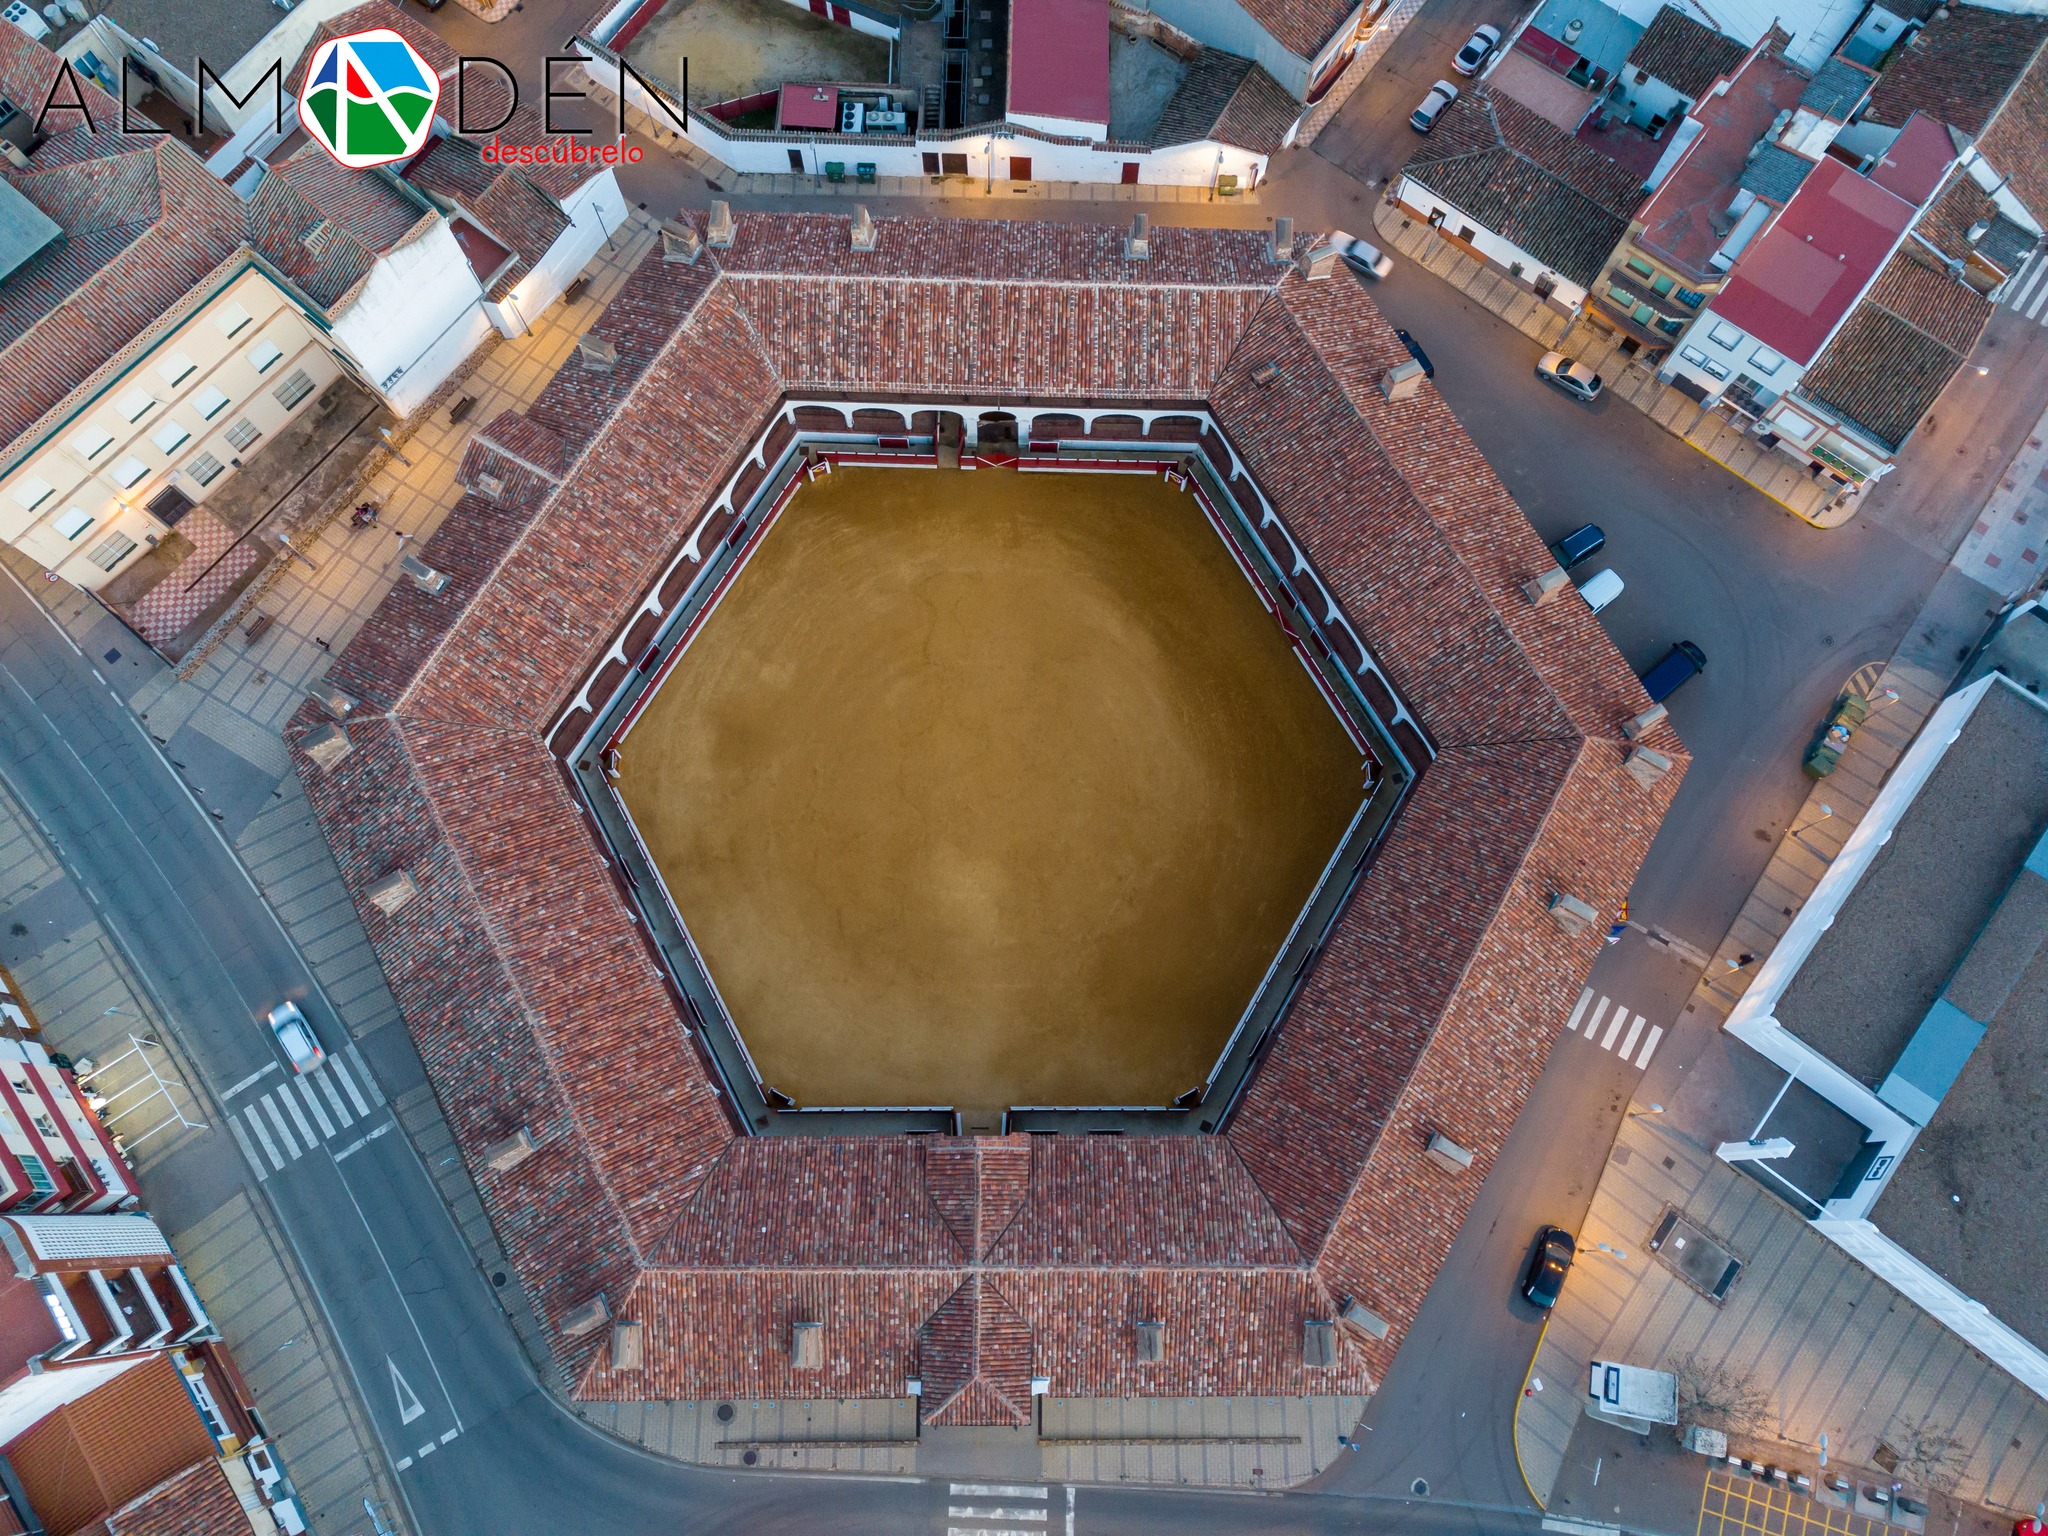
(1440, 96)
(1364, 256)
(1478, 48)
(1574, 378)
(296, 1036)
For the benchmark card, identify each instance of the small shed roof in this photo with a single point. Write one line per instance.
(1059, 59)
(809, 106)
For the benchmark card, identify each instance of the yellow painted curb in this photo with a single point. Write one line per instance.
(1738, 474)
(1516, 1429)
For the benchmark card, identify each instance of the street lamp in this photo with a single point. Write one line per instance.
(1825, 812)
(1610, 1248)
(1644, 1114)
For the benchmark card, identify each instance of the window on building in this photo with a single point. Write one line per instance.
(1670, 326)
(1621, 297)
(135, 405)
(209, 403)
(1724, 335)
(169, 437)
(1765, 361)
(91, 443)
(231, 318)
(296, 386)
(1644, 314)
(32, 493)
(111, 551)
(1661, 285)
(39, 1180)
(129, 472)
(1690, 298)
(242, 434)
(1718, 370)
(1640, 267)
(265, 353)
(205, 469)
(175, 367)
(1694, 356)
(73, 521)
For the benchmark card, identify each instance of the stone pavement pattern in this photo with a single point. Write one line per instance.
(2005, 545)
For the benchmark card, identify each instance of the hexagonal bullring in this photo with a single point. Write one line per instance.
(713, 496)
(987, 790)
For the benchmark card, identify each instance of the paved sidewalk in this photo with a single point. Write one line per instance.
(2005, 547)
(1713, 435)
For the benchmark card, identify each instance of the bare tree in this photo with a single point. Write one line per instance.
(1717, 1395)
(1929, 1456)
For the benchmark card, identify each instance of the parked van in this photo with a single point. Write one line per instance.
(1601, 588)
(1681, 664)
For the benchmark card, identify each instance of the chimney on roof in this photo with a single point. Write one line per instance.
(1319, 261)
(1402, 380)
(1265, 373)
(863, 228)
(332, 699)
(627, 1353)
(1138, 243)
(596, 354)
(393, 891)
(1151, 1343)
(504, 1155)
(1281, 246)
(1644, 723)
(1646, 765)
(720, 234)
(680, 242)
(1319, 1343)
(588, 1318)
(424, 576)
(1547, 587)
(1365, 1320)
(807, 1346)
(1570, 913)
(328, 745)
(491, 486)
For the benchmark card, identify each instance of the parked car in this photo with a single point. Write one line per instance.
(1579, 546)
(1364, 256)
(1681, 664)
(1601, 588)
(1416, 352)
(296, 1036)
(1574, 378)
(1424, 117)
(1543, 1281)
(1478, 48)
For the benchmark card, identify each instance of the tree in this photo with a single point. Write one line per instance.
(1717, 1395)
(1929, 1456)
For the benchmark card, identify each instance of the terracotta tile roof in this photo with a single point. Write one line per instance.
(200, 1501)
(370, 208)
(96, 1453)
(368, 17)
(2016, 143)
(1957, 68)
(1300, 26)
(1230, 100)
(1837, 89)
(1529, 182)
(1898, 350)
(979, 1263)
(518, 213)
(1684, 54)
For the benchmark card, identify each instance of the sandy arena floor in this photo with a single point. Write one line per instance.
(988, 788)
(741, 47)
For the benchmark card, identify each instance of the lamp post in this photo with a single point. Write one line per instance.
(1610, 1248)
(1644, 1114)
(1826, 811)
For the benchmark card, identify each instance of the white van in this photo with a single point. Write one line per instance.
(1600, 588)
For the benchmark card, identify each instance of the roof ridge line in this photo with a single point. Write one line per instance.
(1002, 282)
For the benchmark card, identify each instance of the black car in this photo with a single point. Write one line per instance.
(1579, 546)
(1548, 1265)
(1681, 664)
(1416, 352)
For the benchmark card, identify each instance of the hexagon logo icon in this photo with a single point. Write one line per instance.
(369, 99)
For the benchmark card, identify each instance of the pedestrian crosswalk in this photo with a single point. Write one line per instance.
(2028, 290)
(1004, 1509)
(1612, 1027)
(306, 1111)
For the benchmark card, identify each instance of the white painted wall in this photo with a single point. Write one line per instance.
(281, 46)
(418, 316)
(859, 23)
(1227, 25)
(32, 1398)
(1060, 127)
(1506, 252)
(596, 209)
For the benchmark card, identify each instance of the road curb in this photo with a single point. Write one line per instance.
(1515, 1430)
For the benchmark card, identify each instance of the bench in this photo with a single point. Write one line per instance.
(258, 627)
(461, 408)
(575, 291)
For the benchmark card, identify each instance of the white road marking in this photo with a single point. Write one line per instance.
(1593, 1024)
(261, 1072)
(298, 1115)
(2040, 298)
(404, 1462)
(248, 1148)
(450, 1436)
(997, 1491)
(313, 1103)
(426, 1450)
(283, 1133)
(1649, 1045)
(1613, 1029)
(2028, 277)
(363, 1141)
(990, 1530)
(1070, 1509)
(355, 1056)
(1628, 1043)
(362, 1104)
(993, 1512)
(326, 1081)
(263, 1135)
(1572, 1023)
(409, 1405)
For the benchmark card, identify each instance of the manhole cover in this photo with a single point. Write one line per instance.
(1420, 1486)
(498, 1277)
(725, 1413)
(751, 1457)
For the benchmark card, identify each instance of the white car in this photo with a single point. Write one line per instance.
(1600, 588)
(1424, 117)
(1478, 48)
(1574, 378)
(296, 1036)
(1365, 256)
